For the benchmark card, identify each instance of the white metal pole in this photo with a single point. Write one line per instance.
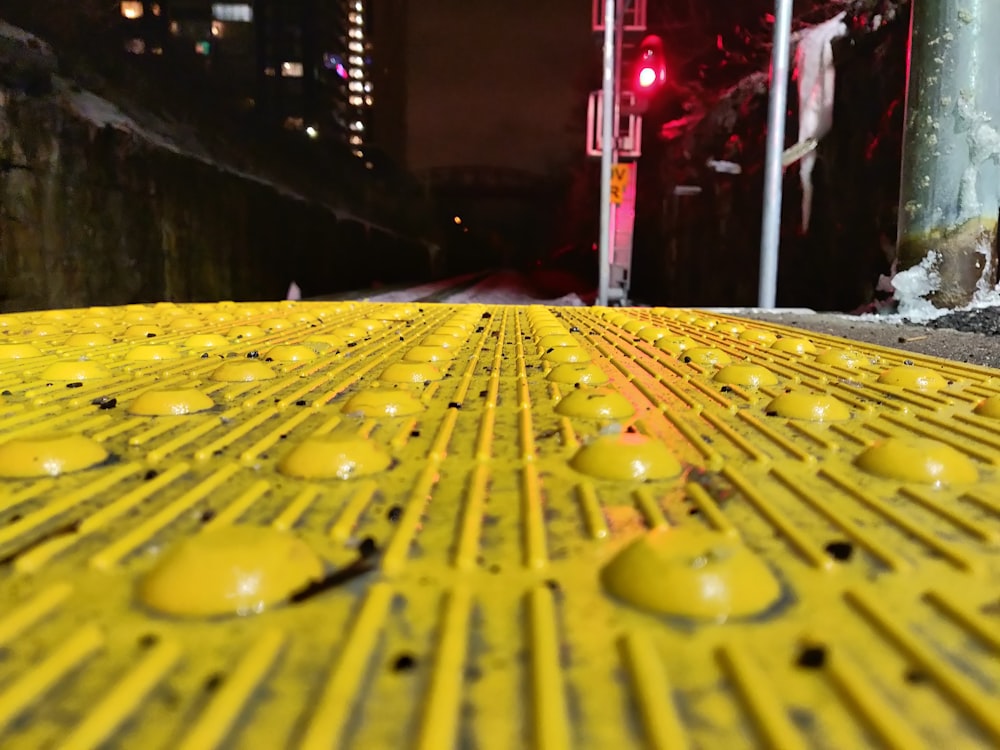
(770, 233)
(607, 146)
(616, 148)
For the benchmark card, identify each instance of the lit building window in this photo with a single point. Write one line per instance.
(355, 34)
(155, 9)
(369, 165)
(131, 9)
(355, 60)
(358, 6)
(236, 12)
(135, 46)
(356, 47)
(357, 126)
(355, 86)
(292, 70)
(156, 51)
(203, 48)
(218, 29)
(355, 140)
(354, 101)
(356, 18)
(175, 28)
(369, 100)
(269, 72)
(358, 152)
(357, 73)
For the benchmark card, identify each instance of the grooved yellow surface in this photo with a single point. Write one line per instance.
(472, 526)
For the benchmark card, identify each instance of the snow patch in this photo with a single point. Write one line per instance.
(985, 141)
(24, 37)
(914, 285)
(508, 288)
(986, 294)
(502, 288)
(984, 145)
(421, 292)
(968, 192)
(569, 300)
(104, 114)
(816, 75)
(984, 288)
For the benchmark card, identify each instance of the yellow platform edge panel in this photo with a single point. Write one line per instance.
(361, 525)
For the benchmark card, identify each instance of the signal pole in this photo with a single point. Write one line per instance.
(614, 132)
(609, 133)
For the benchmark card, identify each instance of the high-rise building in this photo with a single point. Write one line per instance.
(331, 68)
(350, 61)
(363, 54)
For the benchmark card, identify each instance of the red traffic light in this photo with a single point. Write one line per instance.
(650, 65)
(647, 77)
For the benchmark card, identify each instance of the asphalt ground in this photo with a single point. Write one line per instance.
(966, 336)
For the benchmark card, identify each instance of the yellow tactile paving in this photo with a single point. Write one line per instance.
(369, 525)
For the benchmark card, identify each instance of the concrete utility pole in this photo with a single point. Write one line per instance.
(950, 185)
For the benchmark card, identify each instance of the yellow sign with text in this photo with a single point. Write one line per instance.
(619, 181)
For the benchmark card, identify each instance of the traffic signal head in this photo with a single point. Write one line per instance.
(650, 65)
(649, 71)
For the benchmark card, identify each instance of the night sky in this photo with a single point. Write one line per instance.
(496, 83)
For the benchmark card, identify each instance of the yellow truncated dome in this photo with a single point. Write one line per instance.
(236, 570)
(335, 459)
(49, 455)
